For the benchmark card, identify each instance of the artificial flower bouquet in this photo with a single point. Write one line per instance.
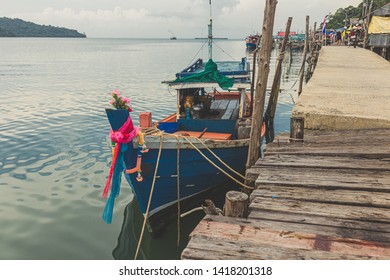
(120, 102)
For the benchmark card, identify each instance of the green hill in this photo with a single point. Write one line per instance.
(20, 28)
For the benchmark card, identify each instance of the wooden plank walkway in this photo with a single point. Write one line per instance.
(326, 198)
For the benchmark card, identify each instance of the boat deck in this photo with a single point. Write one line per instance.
(326, 198)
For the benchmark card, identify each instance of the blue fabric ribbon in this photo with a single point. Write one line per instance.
(116, 184)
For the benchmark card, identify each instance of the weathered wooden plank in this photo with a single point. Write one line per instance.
(228, 114)
(324, 162)
(232, 105)
(367, 138)
(315, 244)
(322, 209)
(235, 114)
(326, 198)
(344, 230)
(307, 218)
(339, 135)
(329, 142)
(203, 247)
(364, 151)
(223, 104)
(362, 133)
(332, 179)
(345, 197)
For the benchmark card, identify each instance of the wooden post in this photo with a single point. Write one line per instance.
(273, 98)
(236, 204)
(368, 19)
(261, 84)
(297, 128)
(312, 55)
(241, 111)
(304, 56)
(253, 80)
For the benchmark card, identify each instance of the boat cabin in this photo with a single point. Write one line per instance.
(204, 109)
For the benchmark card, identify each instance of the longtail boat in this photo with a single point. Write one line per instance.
(175, 164)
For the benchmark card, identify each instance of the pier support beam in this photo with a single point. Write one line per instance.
(297, 128)
(236, 204)
(302, 73)
(273, 99)
(261, 83)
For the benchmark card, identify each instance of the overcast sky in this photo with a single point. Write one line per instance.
(154, 18)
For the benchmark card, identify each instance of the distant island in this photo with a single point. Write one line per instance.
(19, 28)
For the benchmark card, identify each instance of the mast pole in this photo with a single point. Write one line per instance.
(210, 36)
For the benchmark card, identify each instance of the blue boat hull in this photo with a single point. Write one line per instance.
(196, 174)
(250, 46)
(199, 179)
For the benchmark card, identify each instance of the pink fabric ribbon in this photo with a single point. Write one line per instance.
(123, 135)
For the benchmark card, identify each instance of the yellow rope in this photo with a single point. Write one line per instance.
(156, 131)
(150, 197)
(216, 166)
(220, 160)
(178, 191)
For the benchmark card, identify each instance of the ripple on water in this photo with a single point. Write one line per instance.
(45, 173)
(57, 166)
(19, 176)
(27, 161)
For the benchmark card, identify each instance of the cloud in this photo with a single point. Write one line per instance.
(117, 22)
(99, 15)
(186, 18)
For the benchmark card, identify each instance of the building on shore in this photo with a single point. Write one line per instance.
(379, 31)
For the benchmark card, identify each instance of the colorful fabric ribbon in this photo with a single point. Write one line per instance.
(123, 135)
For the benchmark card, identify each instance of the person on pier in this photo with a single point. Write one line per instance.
(353, 37)
(338, 38)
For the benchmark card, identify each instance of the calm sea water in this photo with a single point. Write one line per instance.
(53, 153)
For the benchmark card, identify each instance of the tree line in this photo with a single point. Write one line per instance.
(20, 28)
(343, 15)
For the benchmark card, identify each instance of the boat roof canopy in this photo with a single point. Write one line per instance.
(224, 74)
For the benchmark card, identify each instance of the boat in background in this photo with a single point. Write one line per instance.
(195, 150)
(252, 41)
(173, 37)
(295, 41)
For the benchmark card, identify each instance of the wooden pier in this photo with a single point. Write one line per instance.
(327, 197)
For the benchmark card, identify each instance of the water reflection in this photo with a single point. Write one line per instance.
(54, 158)
(163, 247)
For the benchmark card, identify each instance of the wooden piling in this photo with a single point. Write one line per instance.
(368, 19)
(261, 85)
(312, 57)
(273, 98)
(236, 204)
(297, 126)
(304, 56)
(253, 80)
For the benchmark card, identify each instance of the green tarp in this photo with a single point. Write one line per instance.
(209, 75)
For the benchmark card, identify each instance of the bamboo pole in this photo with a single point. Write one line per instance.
(273, 99)
(312, 54)
(261, 84)
(368, 19)
(253, 80)
(304, 56)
